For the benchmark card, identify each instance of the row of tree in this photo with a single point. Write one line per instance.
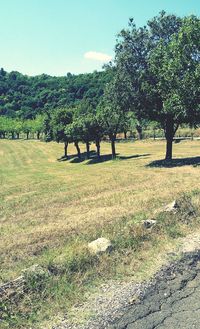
(10, 127)
(87, 124)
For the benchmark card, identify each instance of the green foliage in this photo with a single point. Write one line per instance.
(60, 119)
(47, 128)
(161, 63)
(38, 124)
(25, 97)
(111, 112)
(10, 126)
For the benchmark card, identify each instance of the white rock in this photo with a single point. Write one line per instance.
(100, 246)
(171, 207)
(149, 223)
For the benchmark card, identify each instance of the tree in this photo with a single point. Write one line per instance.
(72, 132)
(111, 112)
(176, 68)
(17, 127)
(83, 121)
(27, 127)
(60, 119)
(47, 128)
(132, 73)
(155, 65)
(85, 118)
(4, 126)
(140, 125)
(38, 125)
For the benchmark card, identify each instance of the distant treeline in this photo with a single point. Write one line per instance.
(24, 97)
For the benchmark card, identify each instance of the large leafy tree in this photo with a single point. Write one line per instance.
(155, 63)
(132, 50)
(176, 68)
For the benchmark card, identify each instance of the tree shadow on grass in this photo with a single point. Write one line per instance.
(73, 158)
(63, 158)
(193, 161)
(94, 159)
(108, 157)
(102, 158)
(134, 156)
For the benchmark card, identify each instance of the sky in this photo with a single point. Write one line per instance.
(77, 36)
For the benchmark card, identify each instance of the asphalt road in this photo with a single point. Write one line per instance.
(171, 302)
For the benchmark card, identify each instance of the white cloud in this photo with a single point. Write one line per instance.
(97, 56)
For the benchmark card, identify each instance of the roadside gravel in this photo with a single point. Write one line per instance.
(115, 301)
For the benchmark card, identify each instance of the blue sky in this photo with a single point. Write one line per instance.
(60, 36)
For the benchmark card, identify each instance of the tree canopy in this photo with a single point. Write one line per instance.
(161, 65)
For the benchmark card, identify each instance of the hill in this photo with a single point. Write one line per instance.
(24, 96)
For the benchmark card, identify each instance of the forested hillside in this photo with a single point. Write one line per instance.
(24, 97)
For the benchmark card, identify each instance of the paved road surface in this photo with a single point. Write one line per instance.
(172, 302)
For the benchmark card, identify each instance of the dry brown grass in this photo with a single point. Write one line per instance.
(45, 202)
(51, 209)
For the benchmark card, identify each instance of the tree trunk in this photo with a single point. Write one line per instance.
(154, 134)
(169, 149)
(170, 131)
(88, 149)
(17, 135)
(13, 135)
(98, 148)
(139, 130)
(38, 135)
(65, 149)
(27, 135)
(125, 135)
(113, 148)
(78, 149)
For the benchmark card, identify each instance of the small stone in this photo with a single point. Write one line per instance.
(171, 207)
(149, 223)
(100, 246)
(133, 300)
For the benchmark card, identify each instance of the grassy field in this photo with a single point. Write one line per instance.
(51, 209)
